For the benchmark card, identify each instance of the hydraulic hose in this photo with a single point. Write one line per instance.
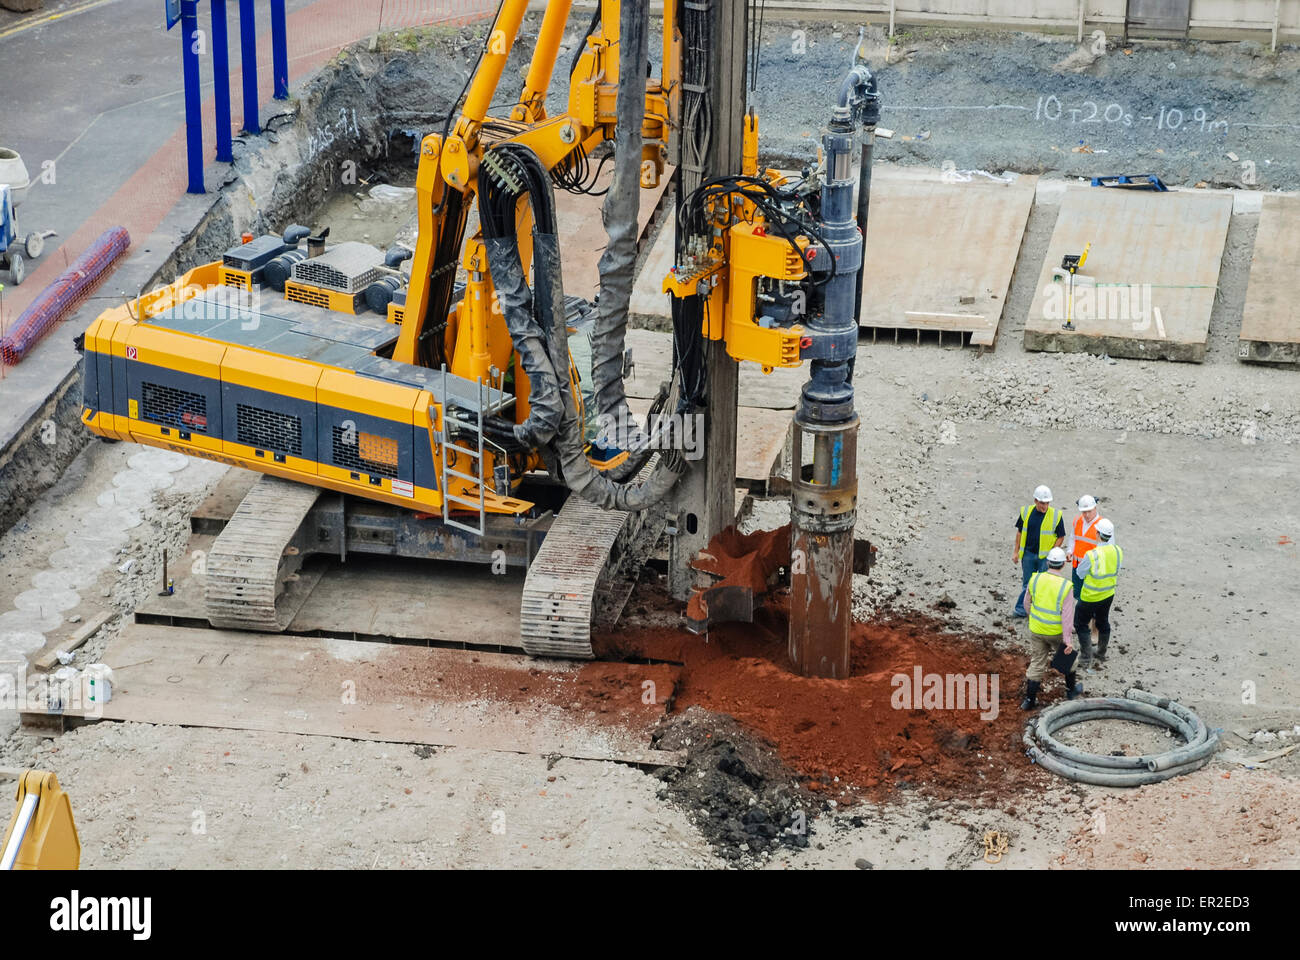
(536, 321)
(619, 214)
(1137, 706)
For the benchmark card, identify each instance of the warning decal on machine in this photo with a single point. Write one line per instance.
(403, 488)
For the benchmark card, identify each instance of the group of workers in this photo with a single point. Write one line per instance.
(1055, 605)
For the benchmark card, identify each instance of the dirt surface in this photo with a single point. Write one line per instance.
(869, 732)
(1209, 820)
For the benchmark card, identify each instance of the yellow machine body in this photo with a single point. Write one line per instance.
(304, 386)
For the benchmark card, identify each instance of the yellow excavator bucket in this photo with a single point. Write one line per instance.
(41, 834)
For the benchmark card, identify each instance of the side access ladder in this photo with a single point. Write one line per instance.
(462, 423)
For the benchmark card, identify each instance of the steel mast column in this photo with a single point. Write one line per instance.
(705, 498)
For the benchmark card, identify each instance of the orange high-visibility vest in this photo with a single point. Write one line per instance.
(1084, 540)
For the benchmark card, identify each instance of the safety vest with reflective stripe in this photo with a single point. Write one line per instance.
(1084, 540)
(1046, 533)
(1046, 601)
(1103, 571)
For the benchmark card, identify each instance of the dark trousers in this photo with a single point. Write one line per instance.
(1078, 583)
(1030, 563)
(1085, 612)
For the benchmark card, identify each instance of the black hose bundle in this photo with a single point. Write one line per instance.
(536, 321)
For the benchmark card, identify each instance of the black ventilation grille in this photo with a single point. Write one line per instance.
(174, 407)
(365, 452)
(269, 429)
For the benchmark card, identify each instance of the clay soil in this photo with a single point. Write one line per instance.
(847, 736)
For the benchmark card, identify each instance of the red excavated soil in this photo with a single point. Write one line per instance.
(735, 559)
(857, 729)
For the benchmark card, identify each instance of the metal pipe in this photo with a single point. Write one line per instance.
(279, 51)
(248, 60)
(221, 81)
(824, 483)
(193, 106)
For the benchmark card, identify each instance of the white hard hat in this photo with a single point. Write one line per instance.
(1105, 529)
(1056, 557)
(1086, 502)
(1042, 494)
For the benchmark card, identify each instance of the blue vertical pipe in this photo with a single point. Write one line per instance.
(279, 51)
(221, 79)
(193, 108)
(248, 53)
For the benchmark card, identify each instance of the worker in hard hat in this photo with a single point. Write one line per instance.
(1039, 528)
(1082, 539)
(1099, 570)
(1084, 536)
(1051, 602)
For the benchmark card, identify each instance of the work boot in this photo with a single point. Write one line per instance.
(1101, 647)
(1073, 688)
(1031, 695)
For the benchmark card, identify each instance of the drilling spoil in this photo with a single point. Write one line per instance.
(867, 733)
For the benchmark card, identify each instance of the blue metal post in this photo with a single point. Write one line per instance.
(248, 51)
(221, 79)
(193, 107)
(279, 50)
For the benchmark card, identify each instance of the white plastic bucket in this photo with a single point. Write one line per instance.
(99, 684)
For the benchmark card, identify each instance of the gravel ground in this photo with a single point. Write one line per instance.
(164, 798)
(1209, 820)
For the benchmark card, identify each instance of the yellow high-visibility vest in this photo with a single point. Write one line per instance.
(1103, 571)
(1046, 533)
(1046, 602)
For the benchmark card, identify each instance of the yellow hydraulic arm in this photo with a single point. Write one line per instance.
(453, 166)
(42, 834)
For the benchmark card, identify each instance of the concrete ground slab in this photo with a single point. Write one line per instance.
(1270, 322)
(1153, 266)
(939, 255)
(362, 691)
(412, 601)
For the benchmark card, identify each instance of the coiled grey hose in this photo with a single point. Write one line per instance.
(1138, 706)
